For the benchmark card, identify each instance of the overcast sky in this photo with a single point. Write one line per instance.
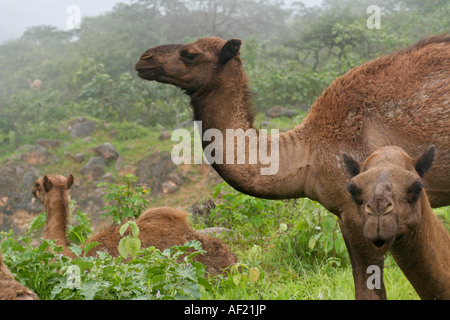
(17, 15)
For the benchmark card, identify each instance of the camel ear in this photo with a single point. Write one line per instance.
(353, 166)
(69, 181)
(47, 184)
(424, 162)
(229, 50)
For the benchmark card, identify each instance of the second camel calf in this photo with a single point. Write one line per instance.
(159, 227)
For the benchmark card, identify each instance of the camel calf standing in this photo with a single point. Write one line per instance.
(159, 227)
(10, 289)
(36, 84)
(388, 191)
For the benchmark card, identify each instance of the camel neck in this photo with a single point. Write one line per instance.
(57, 209)
(227, 106)
(227, 110)
(424, 256)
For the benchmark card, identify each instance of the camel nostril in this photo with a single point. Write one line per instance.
(389, 208)
(147, 56)
(369, 209)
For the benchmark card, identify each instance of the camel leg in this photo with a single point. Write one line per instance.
(367, 266)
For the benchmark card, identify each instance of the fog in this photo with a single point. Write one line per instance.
(17, 15)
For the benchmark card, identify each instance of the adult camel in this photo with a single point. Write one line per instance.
(399, 99)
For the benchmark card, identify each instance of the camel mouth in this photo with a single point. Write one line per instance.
(147, 73)
(379, 243)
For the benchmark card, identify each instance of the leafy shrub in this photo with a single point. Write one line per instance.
(299, 228)
(126, 201)
(170, 274)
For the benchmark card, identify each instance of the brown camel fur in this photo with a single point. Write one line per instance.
(399, 99)
(388, 191)
(10, 289)
(36, 84)
(159, 227)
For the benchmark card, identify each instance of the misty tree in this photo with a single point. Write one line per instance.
(227, 19)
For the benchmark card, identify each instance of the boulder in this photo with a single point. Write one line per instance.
(80, 128)
(168, 187)
(214, 231)
(164, 135)
(79, 157)
(49, 144)
(36, 155)
(107, 151)
(29, 178)
(154, 170)
(94, 169)
(278, 111)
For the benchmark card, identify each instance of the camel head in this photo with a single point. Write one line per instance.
(387, 190)
(50, 183)
(192, 66)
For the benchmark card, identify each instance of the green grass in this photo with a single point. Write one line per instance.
(319, 282)
(273, 236)
(289, 268)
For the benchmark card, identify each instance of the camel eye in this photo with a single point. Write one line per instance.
(188, 55)
(355, 192)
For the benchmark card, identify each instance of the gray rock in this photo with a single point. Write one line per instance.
(36, 155)
(107, 151)
(81, 128)
(49, 144)
(94, 169)
(164, 135)
(169, 187)
(29, 178)
(215, 231)
(79, 157)
(153, 170)
(278, 111)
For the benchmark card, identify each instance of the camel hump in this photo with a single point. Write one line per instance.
(167, 215)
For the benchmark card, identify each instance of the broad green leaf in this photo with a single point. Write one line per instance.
(301, 225)
(122, 248)
(328, 224)
(312, 243)
(253, 274)
(90, 245)
(135, 229)
(133, 245)
(237, 279)
(76, 249)
(38, 222)
(123, 228)
(89, 289)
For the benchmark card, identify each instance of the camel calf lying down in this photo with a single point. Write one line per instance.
(10, 289)
(388, 191)
(159, 227)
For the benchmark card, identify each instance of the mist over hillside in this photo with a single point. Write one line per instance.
(291, 52)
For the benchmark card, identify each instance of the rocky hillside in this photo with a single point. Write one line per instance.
(92, 152)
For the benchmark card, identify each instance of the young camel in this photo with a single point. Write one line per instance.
(36, 84)
(10, 289)
(388, 191)
(159, 227)
(399, 99)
